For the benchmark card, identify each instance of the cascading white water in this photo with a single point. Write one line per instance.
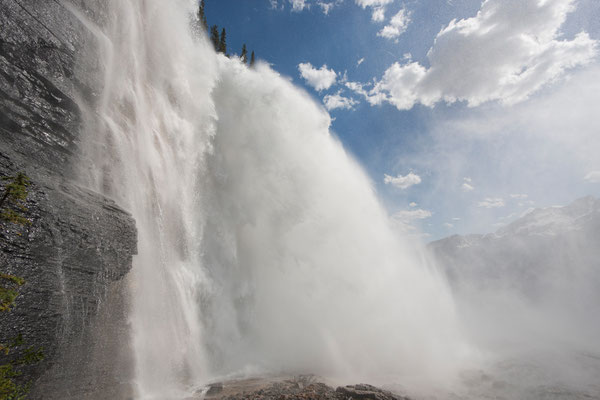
(261, 242)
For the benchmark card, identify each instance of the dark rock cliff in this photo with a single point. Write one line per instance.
(77, 251)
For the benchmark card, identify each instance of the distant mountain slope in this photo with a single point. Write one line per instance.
(547, 248)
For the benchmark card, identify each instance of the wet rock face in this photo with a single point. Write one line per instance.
(38, 115)
(77, 251)
(73, 258)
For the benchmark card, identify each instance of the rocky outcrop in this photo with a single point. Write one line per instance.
(78, 249)
(305, 387)
(364, 391)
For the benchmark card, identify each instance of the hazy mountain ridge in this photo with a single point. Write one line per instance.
(529, 251)
(553, 221)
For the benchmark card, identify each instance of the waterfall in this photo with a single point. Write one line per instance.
(262, 244)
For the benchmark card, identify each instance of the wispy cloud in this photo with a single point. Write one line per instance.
(592, 177)
(274, 4)
(378, 7)
(402, 182)
(327, 6)
(335, 101)
(467, 185)
(299, 5)
(519, 196)
(408, 216)
(362, 60)
(491, 202)
(373, 3)
(320, 79)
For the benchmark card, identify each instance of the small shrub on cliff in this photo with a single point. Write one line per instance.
(13, 199)
(9, 388)
(12, 204)
(9, 291)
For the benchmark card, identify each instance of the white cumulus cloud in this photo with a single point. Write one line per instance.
(505, 53)
(397, 25)
(592, 177)
(402, 182)
(322, 78)
(519, 196)
(413, 204)
(491, 202)
(334, 101)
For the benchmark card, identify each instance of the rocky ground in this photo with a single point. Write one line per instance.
(305, 387)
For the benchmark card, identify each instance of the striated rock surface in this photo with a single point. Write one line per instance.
(77, 251)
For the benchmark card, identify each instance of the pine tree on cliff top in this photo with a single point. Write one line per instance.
(223, 42)
(244, 56)
(214, 36)
(202, 16)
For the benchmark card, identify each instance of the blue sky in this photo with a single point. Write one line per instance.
(475, 111)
